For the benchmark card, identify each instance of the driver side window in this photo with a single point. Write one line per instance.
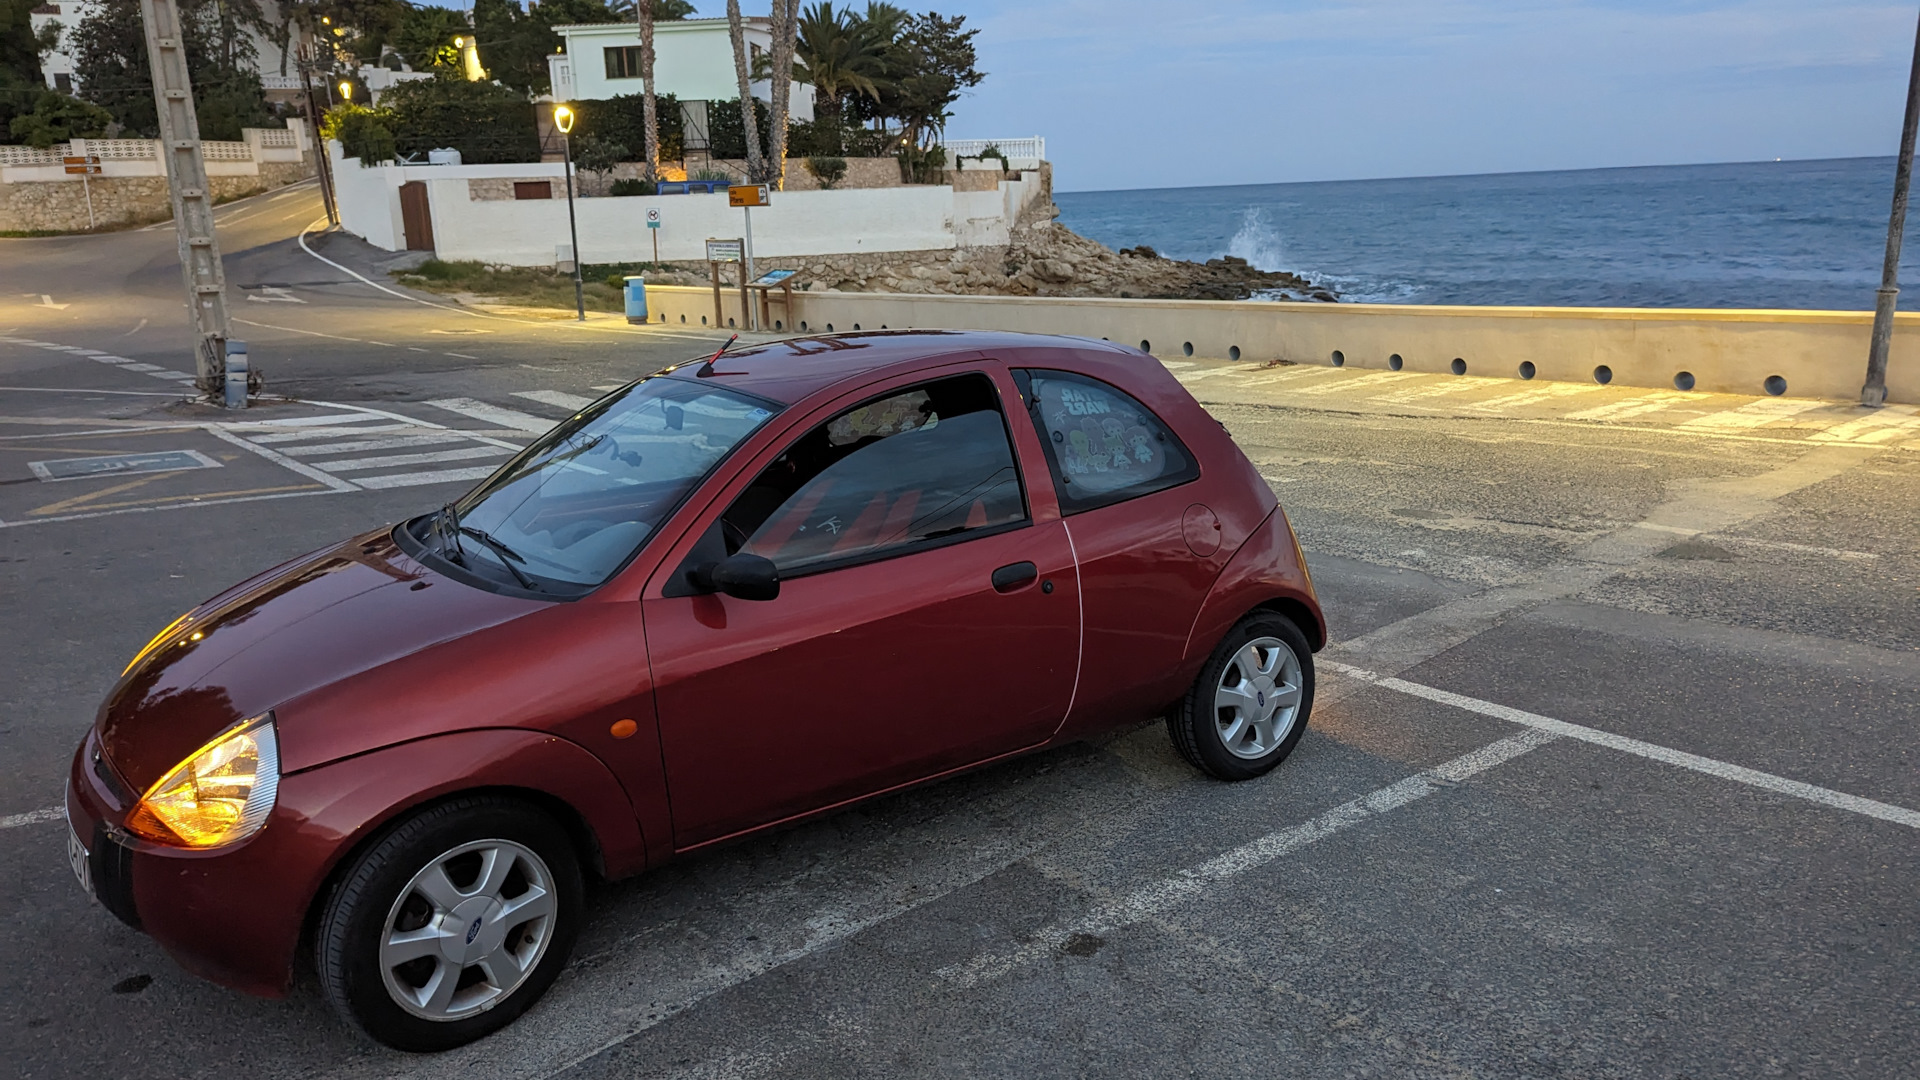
(912, 468)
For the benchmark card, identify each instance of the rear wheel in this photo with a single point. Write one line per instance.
(1249, 707)
(452, 925)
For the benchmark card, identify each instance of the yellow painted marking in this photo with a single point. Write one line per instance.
(68, 504)
(83, 500)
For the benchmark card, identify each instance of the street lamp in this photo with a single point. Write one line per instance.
(346, 91)
(563, 119)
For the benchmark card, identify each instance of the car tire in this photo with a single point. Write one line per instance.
(486, 890)
(1248, 708)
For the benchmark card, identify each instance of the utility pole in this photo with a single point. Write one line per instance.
(1874, 394)
(309, 61)
(187, 186)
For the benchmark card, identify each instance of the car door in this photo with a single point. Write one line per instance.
(925, 621)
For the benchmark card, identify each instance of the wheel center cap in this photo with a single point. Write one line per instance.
(1263, 693)
(472, 931)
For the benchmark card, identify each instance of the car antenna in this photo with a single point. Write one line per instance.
(706, 369)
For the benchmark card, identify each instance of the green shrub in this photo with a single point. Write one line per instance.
(488, 123)
(923, 166)
(635, 187)
(364, 133)
(57, 118)
(828, 170)
(623, 120)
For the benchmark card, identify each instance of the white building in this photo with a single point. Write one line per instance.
(693, 61)
(57, 65)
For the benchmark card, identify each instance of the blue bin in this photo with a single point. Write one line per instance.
(636, 298)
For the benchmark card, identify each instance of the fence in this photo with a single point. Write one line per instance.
(1021, 153)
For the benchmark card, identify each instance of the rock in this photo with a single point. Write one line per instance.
(1053, 271)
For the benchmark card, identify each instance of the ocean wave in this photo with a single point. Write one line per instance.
(1257, 242)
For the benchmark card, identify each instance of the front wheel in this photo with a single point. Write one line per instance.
(452, 925)
(1248, 709)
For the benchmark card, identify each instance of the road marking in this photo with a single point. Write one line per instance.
(1529, 397)
(1779, 785)
(1152, 899)
(1882, 425)
(47, 302)
(388, 443)
(309, 434)
(1751, 415)
(313, 421)
(493, 414)
(569, 402)
(610, 387)
(1357, 382)
(382, 344)
(463, 356)
(308, 471)
(297, 330)
(1633, 406)
(415, 479)
(32, 817)
(355, 464)
(194, 501)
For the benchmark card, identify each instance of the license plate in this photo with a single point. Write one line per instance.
(77, 858)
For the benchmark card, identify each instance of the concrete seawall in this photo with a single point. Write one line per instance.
(1816, 354)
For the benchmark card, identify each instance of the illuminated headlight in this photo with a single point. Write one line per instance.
(220, 795)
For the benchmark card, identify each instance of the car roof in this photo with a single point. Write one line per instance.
(792, 369)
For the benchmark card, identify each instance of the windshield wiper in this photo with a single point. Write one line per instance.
(507, 555)
(445, 534)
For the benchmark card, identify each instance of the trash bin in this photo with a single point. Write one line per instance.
(636, 298)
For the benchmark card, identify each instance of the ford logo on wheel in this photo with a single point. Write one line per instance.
(473, 931)
(1259, 696)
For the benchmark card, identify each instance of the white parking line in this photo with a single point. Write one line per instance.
(495, 415)
(1150, 900)
(1633, 406)
(572, 402)
(310, 434)
(1779, 785)
(1751, 415)
(388, 443)
(416, 479)
(390, 460)
(32, 817)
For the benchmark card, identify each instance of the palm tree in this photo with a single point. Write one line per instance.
(841, 53)
(649, 109)
(756, 166)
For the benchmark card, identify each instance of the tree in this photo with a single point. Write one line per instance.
(742, 65)
(930, 65)
(424, 38)
(786, 16)
(486, 122)
(20, 49)
(663, 10)
(110, 63)
(57, 118)
(839, 53)
(650, 168)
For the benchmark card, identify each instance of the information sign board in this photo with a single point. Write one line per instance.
(749, 195)
(726, 251)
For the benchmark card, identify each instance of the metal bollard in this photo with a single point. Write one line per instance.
(236, 374)
(636, 298)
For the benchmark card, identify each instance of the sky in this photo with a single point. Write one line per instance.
(1133, 94)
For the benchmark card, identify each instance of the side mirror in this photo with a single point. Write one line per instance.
(746, 577)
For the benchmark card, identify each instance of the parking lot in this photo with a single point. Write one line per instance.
(1612, 771)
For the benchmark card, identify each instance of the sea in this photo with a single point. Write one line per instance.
(1777, 234)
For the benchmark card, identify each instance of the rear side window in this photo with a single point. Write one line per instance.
(1104, 447)
(917, 467)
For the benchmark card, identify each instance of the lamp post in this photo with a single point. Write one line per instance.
(346, 91)
(563, 119)
(1874, 393)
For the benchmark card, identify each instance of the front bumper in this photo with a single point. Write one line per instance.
(232, 916)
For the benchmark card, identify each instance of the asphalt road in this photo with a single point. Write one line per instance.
(1613, 771)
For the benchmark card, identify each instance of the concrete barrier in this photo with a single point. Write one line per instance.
(1816, 354)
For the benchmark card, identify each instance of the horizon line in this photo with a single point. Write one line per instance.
(1471, 175)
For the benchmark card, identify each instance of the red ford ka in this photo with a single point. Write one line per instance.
(724, 598)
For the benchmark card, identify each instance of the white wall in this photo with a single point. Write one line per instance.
(528, 232)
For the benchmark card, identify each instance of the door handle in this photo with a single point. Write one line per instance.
(1014, 575)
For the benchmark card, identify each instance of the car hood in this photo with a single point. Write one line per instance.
(305, 624)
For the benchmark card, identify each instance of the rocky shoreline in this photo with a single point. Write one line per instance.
(1043, 258)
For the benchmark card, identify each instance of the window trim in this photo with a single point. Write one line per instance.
(912, 547)
(1023, 378)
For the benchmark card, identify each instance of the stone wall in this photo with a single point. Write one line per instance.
(120, 201)
(500, 189)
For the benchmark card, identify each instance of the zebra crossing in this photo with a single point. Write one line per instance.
(1685, 413)
(363, 449)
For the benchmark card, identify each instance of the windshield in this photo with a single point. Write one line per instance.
(572, 508)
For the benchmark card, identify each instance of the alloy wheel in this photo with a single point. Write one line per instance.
(1257, 701)
(468, 929)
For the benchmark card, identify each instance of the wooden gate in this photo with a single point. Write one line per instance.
(416, 219)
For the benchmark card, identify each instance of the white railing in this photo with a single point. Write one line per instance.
(27, 155)
(123, 149)
(226, 151)
(278, 137)
(1034, 148)
(282, 82)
